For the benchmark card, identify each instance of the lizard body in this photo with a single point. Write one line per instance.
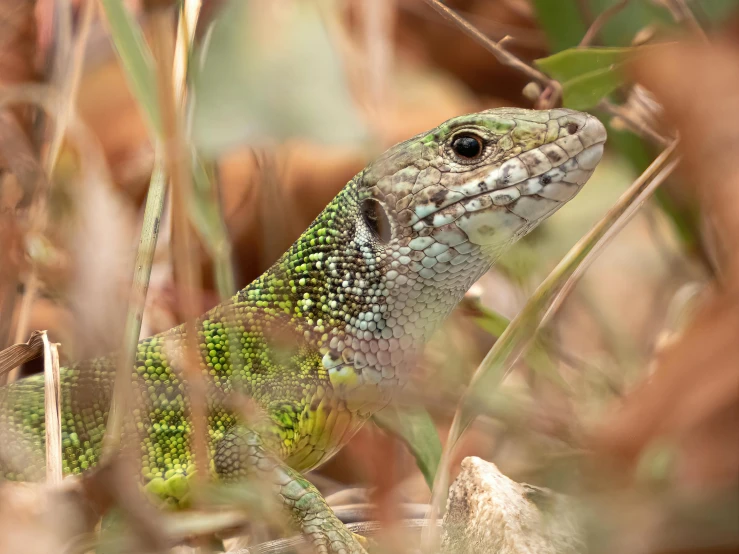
(325, 337)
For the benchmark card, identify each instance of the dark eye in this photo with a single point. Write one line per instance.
(375, 217)
(467, 146)
(572, 128)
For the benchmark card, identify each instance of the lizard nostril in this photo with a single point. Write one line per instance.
(572, 128)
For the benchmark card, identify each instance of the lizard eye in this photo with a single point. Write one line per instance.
(375, 217)
(467, 146)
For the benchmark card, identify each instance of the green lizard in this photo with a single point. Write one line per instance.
(328, 334)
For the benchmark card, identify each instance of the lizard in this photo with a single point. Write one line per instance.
(328, 335)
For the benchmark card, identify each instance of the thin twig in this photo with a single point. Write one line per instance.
(601, 20)
(501, 54)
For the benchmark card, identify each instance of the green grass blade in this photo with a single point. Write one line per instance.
(414, 426)
(136, 58)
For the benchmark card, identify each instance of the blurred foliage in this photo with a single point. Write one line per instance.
(254, 83)
(259, 77)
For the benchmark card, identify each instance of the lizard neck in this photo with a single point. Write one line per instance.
(362, 309)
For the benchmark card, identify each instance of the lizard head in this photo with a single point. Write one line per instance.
(478, 182)
(432, 214)
(393, 253)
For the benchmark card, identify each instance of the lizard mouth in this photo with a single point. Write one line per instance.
(506, 185)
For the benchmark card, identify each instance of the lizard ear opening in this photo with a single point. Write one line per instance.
(375, 217)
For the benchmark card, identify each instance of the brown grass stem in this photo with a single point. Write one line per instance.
(177, 160)
(500, 53)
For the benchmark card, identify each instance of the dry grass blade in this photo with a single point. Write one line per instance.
(19, 354)
(640, 195)
(52, 411)
(188, 289)
(542, 304)
(188, 22)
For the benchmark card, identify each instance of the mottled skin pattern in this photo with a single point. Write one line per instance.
(328, 334)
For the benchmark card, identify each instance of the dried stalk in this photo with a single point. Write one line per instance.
(52, 411)
(188, 288)
(19, 354)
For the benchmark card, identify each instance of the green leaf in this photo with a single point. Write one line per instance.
(136, 59)
(536, 358)
(587, 90)
(414, 426)
(575, 62)
(587, 75)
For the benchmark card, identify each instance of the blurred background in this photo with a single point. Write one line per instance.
(285, 101)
